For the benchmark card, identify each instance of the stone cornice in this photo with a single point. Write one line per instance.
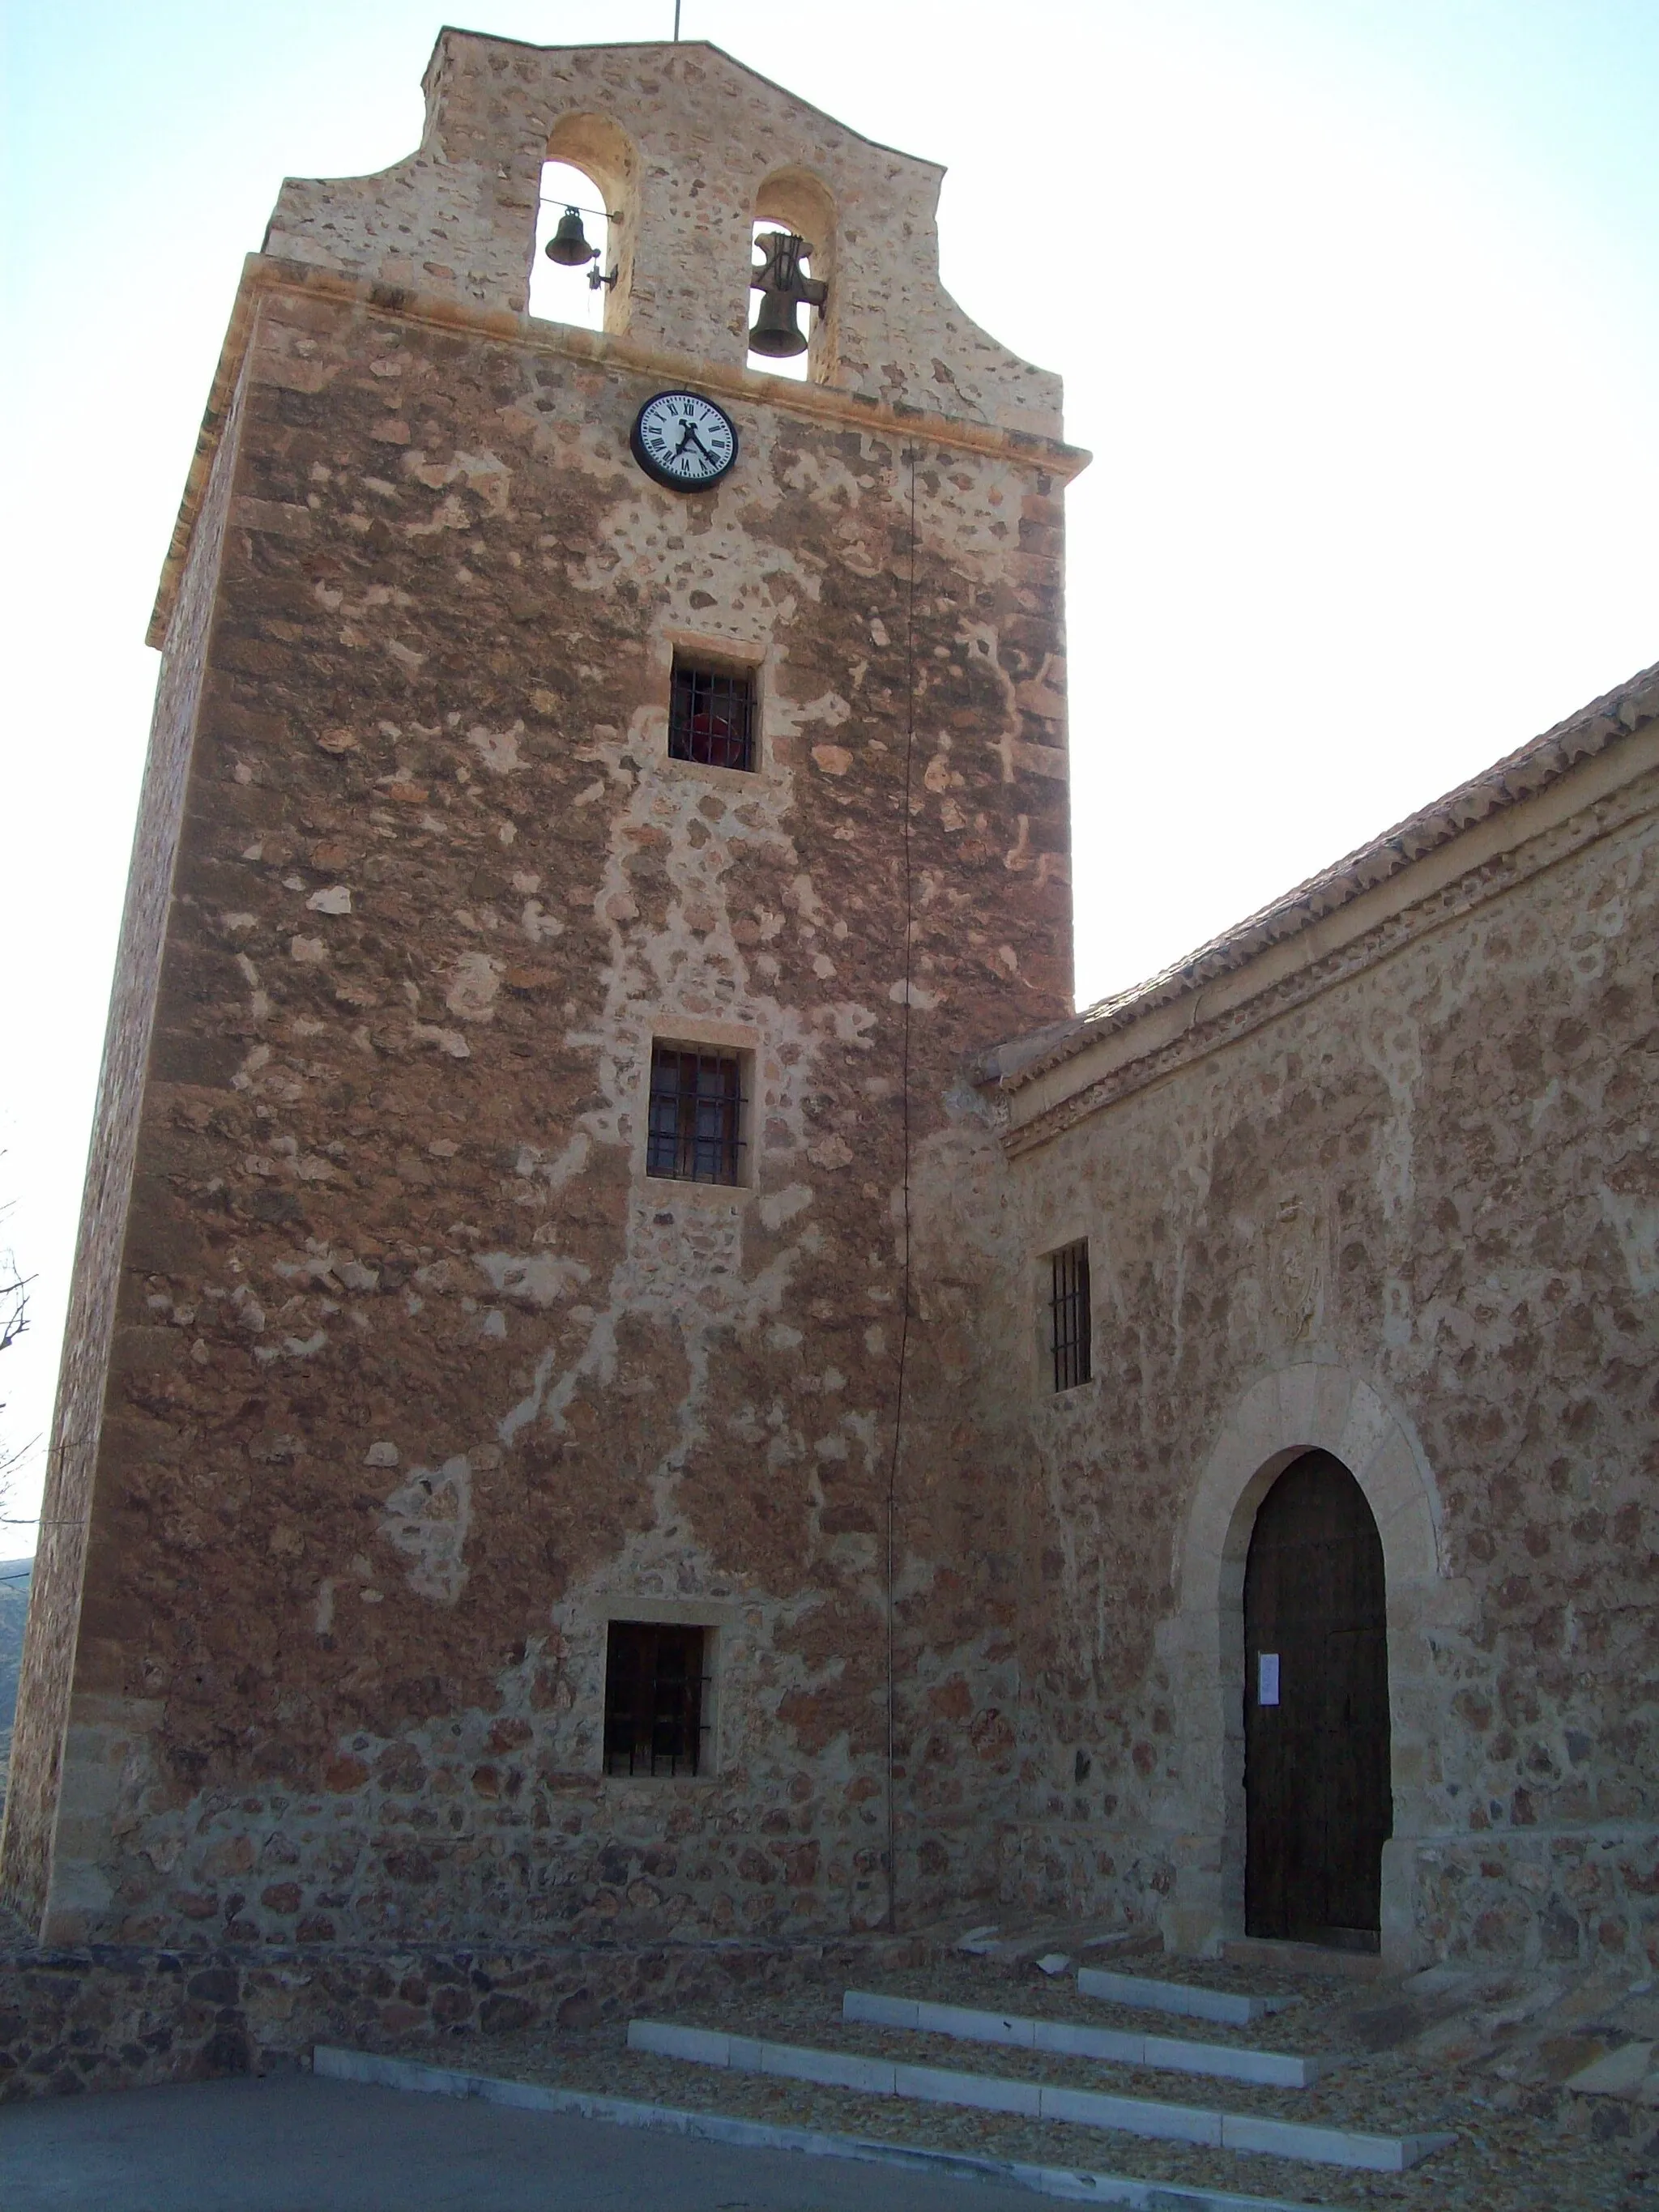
(264, 274)
(1601, 797)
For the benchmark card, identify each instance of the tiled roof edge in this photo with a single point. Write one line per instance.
(1519, 775)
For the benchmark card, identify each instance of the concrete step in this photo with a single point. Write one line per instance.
(1069, 2185)
(1039, 2100)
(1274, 2069)
(1182, 1998)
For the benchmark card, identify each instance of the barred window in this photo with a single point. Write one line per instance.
(711, 716)
(654, 1699)
(696, 1130)
(1068, 1315)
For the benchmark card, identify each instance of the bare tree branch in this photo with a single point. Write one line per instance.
(14, 1301)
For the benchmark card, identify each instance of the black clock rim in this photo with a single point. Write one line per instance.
(637, 444)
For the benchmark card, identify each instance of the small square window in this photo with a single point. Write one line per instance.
(1068, 1314)
(694, 1133)
(711, 716)
(655, 1696)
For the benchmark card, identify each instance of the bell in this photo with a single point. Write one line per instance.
(776, 333)
(569, 245)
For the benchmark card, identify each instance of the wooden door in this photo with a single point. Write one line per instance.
(1319, 1806)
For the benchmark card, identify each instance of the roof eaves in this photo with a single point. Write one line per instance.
(1518, 775)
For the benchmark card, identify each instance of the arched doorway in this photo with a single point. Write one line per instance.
(1316, 1755)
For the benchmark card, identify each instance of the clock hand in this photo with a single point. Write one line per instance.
(691, 441)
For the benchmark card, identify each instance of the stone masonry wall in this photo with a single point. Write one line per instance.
(416, 1378)
(1440, 1173)
(49, 1643)
(117, 2017)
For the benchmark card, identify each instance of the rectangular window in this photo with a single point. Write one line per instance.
(1068, 1314)
(695, 1128)
(711, 716)
(654, 1699)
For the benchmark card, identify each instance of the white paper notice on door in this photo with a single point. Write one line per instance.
(1267, 1678)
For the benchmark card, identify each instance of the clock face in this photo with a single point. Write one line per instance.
(685, 440)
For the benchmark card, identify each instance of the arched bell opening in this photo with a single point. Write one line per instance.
(793, 290)
(1317, 1792)
(581, 265)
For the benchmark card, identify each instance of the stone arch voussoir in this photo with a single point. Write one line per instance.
(1310, 1404)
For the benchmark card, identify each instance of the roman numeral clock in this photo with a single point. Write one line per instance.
(683, 441)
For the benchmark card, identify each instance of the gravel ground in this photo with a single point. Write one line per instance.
(1545, 2153)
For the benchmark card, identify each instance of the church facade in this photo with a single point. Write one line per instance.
(1370, 1181)
(636, 1374)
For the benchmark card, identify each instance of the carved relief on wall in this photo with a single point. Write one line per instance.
(1294, 1261)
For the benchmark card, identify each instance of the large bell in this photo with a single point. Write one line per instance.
(569, 245)
(776, 332)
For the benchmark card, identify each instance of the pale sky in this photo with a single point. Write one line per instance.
(1357, 302)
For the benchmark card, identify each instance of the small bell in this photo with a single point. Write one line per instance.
(569, 245)
(783, 291)
(776, 332)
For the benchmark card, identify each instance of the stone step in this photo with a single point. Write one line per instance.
(1062, 1940)
(1190, 2003)
(1038, 2100)
(1274, 2069)
(1070, 2184)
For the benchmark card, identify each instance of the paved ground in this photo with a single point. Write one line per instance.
(293, 2143)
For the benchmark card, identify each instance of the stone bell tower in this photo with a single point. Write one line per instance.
(522, 1467)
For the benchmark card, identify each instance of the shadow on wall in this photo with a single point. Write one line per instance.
(13, 1608)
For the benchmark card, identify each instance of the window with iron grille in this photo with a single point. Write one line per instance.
(655, 1696)
(711, 716)
(1068, 1314)
(695, 1132)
